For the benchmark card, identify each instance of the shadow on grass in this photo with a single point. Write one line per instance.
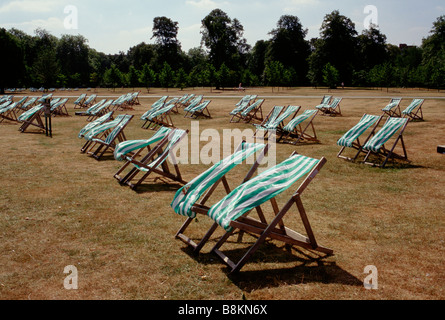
(282, 266)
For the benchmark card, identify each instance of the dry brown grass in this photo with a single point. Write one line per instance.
(60, 207)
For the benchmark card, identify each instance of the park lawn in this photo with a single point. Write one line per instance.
(61, 208)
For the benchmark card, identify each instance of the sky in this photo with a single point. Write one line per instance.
(111, 26)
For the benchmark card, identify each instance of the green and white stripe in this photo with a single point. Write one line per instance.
(391, 126)
(123, 148)
(414, 104)
(275, 123)
(186, 197)
(392, 104)
(103, 127)
(349, 137)
(273, 116)
(297, 120)
(95, 123)
(260, 189)
(28, 114)
(246, 111)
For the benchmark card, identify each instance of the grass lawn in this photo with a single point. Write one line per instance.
(60, 207)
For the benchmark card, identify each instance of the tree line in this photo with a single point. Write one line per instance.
(338, 56)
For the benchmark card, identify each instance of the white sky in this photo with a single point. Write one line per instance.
(112, 26)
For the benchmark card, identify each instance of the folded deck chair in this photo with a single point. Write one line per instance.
(375, 147)
(332, 108)
(392, 109)
(296, 131)
(32, 117)
(190, 199)
(159, 118)
(78, 103)
(276, 124)
(200, 111)
(116, 136)
(105, 118)
(414, 111)
(231, 212)
(9, 112)
(351, 138)
(154, 161)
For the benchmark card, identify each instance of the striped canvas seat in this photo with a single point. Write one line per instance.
(375, 146)
(294, 132)
(391, 126)
(414, 110)
(154, 161)
(332, 108)
(106, 117)
(260, 189)
(275, 123)
(201, 110)
(187, 196)
(28, 114)
(355, 132)
(392, 109)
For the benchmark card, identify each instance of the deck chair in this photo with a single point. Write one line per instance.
(375, 147)
(276, 124)
(32, 117)
(414, 111)
(9, 112)
(79, 101)
(331, 109)
(117, 135)
(154, 161)
(253, 112)
(100, 110)
(270, 118)
(88, 111)
(191, 198)
(91, 100)
(296, 132)
(351, 138)
(231, 212)
(200, 111)
(105, 118)
(29, 103)
(325, 101)
(159, 118)
(59, 108)
(392, 109)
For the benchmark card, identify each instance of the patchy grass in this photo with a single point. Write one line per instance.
(60, 207)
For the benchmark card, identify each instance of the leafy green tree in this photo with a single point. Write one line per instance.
(288, 46)
(11, 62)
(73, 57)
(147, 77)
(181, 79)
(331, 76)
(273, 74)
(223, 37)
(165, 32)
(113, 77)
(166, 76)
(132, 77)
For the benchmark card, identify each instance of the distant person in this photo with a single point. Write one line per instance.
(342, 85)
(240, 87)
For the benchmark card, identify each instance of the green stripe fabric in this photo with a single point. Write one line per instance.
(246, 111)
(356, 131)
(174, 138)
(392, 104)
(260, 189)
(110, 138)
(123, 148)
(28, 114)
(94, 123)
(391, 126)
(160, 111)
(297, 120)
(186, 197)
(103, 127)
(414, 104)
(273, 116)
(274, 124)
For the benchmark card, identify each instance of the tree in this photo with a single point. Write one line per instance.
(147, 77)
(330, 76)
(434, 54)
(288, 45)
(73, 56)
(224, 40)
(165, 32)
(337, 45)
(166, 76)
(113, 77)
(132, 77)
(372, 48)
(12, 61)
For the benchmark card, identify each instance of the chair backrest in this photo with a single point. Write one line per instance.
(254, 105)
(299, 119)
(80, 98)
(260, 189)
(356, 131)
(392, 104)
(28, 114)
(326, 99)
(103, 127)
(283, 116)
(94, 123)
(201, 106)
(118, 129)
(96, 105)
(413, 105)
(335, 102)
(90, 99)
(391, 126)
(186, 197)
(160, 111)
(123, 148)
